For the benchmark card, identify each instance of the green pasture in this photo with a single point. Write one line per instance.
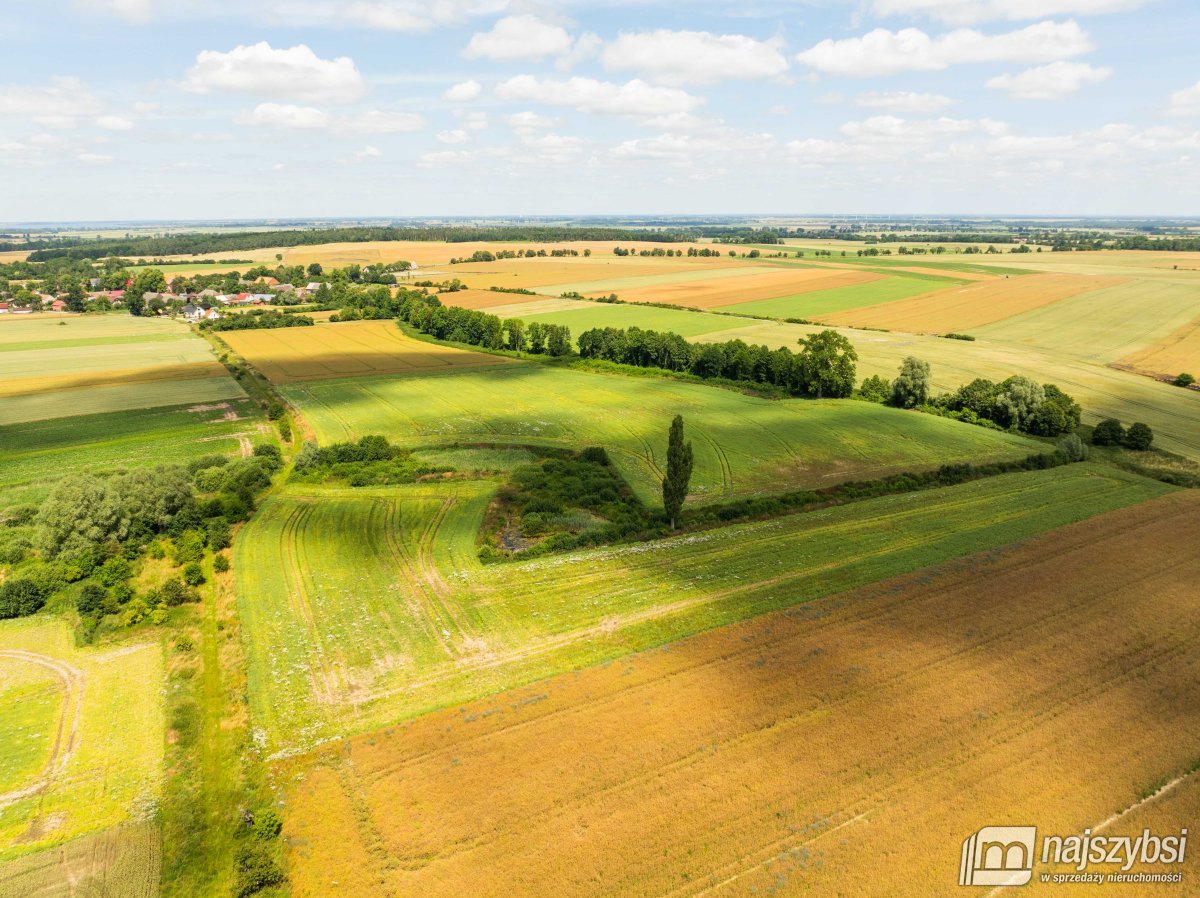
(743, 445)
(839, 299)
(364, 607)
(587, 315)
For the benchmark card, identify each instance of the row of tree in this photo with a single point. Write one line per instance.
(824, 366)
(476, 328)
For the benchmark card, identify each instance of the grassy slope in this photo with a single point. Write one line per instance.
(743, 445)
(369, 606)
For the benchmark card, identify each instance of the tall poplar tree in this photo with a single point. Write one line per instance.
(679, 471)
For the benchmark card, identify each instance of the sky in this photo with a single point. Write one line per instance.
(250, 109)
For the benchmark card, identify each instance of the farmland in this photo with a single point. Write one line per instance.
(365, 607)
(349, 349)
(98, 726)
(737, 762)
(743, 445)
(56, 366)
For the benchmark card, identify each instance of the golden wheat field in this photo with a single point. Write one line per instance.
(347, 349)
(959, 309)
(1175, 354)
(711, 294)
(843, 748)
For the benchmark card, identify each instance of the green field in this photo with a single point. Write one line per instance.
(682, 276)
(822, 302)
(1105, 325)
(1103, 392)
(587, 315)
(743, 445)
(363, 607)
(37, 453)
(99, 736)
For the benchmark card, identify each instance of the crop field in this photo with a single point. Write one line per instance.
(1174, 354)
(838, 299)
(1102, 391)
(97, 726)
(37, 453)
(963, 309)
(483, 299)
(347, 349)
(56, 366)
(789, 754)
(122, 862)
(582, 316)
(1107, 325)
(743, 445)
(367, 606)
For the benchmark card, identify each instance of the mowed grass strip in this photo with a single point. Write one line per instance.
(1049, 682)
(363, 609)
(347, 349)
(959, 309)
(743, 445)
(106, 748)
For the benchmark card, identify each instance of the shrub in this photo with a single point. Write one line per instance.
(221, 563)
(92, 598)
(1139, 437)
(1108, 432)
(267, 824)
(174, 593)
(256, 870)
(1072, 448)
(193, 575)
(20, 598)
(876, 389)
(1184, 380)
(275, 411)
(189, 547)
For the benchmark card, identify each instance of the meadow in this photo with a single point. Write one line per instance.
(38, 453)
(836, 299)
(54, 366)
(364, 607)
(738, 762)
(346, 349)
(99, 736)
(743, 445)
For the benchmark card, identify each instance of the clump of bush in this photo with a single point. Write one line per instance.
(370, 461)
(1109, 432)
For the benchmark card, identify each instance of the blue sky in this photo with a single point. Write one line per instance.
(167, 109)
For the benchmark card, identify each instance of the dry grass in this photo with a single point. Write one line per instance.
(349, 349)
(123, 862)
(1172, 355)
(843, 748)
(959, 309)
(486, 299)
(751, 288)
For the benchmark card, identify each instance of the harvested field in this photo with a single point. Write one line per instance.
(732, 291)
(1173, 355)
(743, 445)
(363, 607)
(122, 862)
(104, 739)
(348, 349)
(1049, 682)
(681, 272)
(484, 299)
(958, 310)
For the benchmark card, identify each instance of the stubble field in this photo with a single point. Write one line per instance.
(1058, 675)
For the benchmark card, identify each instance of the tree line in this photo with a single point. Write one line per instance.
(476, 328)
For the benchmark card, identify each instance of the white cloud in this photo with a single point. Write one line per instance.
(680, 57)
(377, 121)
(473, 120)
(418, 15)
(696, 149)
(58, 104)
(552, 147)
(368, 152)
(296, 73)
(1049, 82)
(445, 157)
(1186, 101)
(903, 101)
(519, 37)
(633, 99)
(883, 52)
(136, 11)
(287, 117)
(94, 158)
(114, 123)
(969, 12)
(463, 92)
(528, 122)
(458, 135)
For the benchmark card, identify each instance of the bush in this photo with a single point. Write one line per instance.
(174, 593)
(1139, 437)
(1184, 380)
(1108, 432)
(267, 824)
(256, 870)
(92, 598)
(1072, 448)
(275, 411)
(221, 563)
(193, 575)
(20, 598)
(189, 547)
(876, 389)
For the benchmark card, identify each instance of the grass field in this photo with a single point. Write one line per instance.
(583, 316)
(349, 349)
(839, 299)
(845, 747)
(100, 740)
(56, 366)
(1102, 391)
(965, 308)
(367, 606)
(743, 445)
(37, 453)
(769, 283)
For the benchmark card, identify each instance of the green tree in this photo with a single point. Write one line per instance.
(1017, 401)
(876, 389)
(20, 598)
(827, 365)
(315, 270)
(911, 387)
(1139, 437)
(81, 512)
(1184, 380)
(1108, 432)
(679, 471)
